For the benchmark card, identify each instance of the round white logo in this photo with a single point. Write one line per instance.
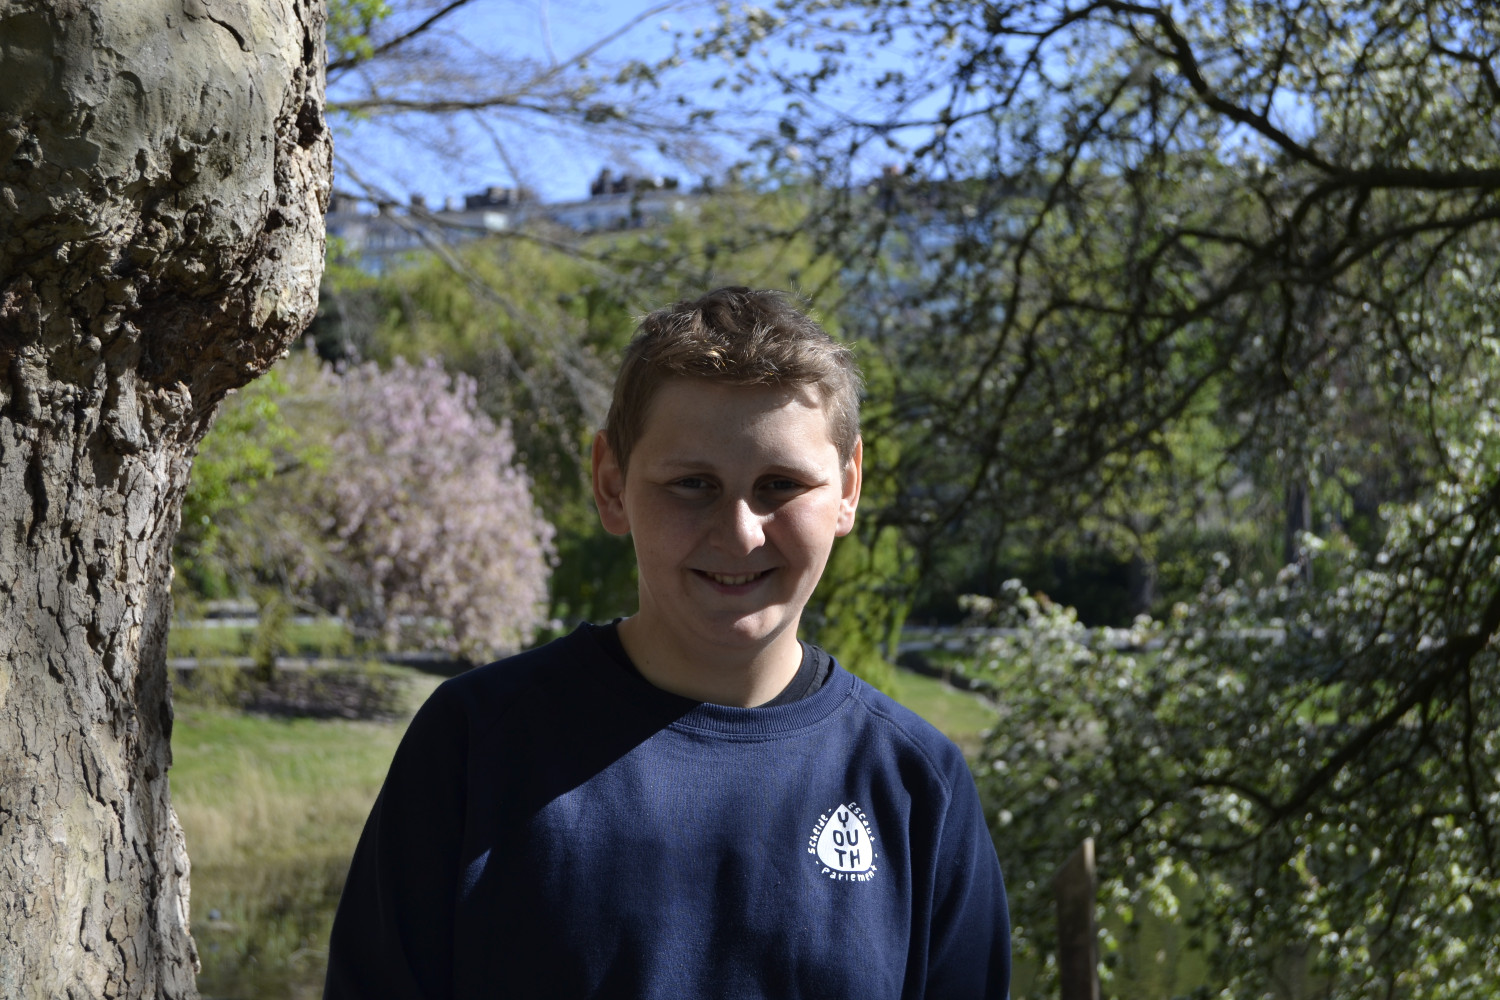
(842, 842)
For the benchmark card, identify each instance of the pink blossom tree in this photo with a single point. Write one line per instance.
(387, 495)
(427, 514)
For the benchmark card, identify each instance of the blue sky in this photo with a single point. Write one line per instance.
(446, 161)
(493, 37)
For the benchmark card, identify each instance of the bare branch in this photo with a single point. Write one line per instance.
(338, 66)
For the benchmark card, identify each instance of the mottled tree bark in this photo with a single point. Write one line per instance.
(164, 166)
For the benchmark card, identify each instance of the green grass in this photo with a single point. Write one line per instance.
(962, 716)
(239, 776)
(328, 637)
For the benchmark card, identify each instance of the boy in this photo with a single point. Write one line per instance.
(690, 802)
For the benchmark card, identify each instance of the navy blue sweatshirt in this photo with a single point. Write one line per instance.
(555, 826)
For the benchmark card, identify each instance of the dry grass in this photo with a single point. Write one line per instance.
(272, 808)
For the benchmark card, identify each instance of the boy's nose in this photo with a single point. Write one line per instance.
(740, 529)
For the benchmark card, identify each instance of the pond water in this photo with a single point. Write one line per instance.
(262, 933)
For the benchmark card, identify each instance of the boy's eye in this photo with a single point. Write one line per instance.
(783, 486)
(691, 483)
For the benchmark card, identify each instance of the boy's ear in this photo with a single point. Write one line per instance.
(853, 476)
(609, 487)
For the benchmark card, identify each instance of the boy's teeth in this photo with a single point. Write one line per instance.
(732, 581)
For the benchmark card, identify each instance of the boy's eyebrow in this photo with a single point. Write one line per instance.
(705, 465)
(686, 463)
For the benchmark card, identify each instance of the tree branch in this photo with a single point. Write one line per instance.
(1180, 52)
(1458, 653)
(347, 62)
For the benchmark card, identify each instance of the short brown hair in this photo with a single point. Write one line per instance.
(737, 336)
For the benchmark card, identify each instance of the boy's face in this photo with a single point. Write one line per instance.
(733, 499)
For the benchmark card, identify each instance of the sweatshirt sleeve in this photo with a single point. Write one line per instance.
(969, 939)
(393, 932)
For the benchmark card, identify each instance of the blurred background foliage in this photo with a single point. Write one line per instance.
(1179, 328)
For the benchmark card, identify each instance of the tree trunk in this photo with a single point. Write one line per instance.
(1140, 579)
(164, 166)
(1298, 520)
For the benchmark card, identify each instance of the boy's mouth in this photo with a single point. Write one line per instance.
(734, 580)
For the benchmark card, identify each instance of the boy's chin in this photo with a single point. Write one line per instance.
(757, 631)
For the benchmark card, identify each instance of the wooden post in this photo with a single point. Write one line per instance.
(1077, 940)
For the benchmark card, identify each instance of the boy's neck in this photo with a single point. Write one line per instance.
(743, 679)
